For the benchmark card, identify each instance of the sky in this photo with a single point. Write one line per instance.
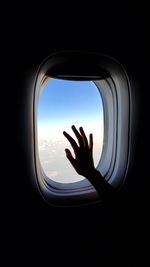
(61, 104)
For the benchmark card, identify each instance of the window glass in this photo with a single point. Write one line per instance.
(61, 104)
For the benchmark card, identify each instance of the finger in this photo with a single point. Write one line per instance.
(79, 137)
(68, 153)
(83, 136)
(91, 142)
(71, 140)
(70, 158)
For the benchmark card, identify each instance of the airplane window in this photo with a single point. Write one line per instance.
(88, 90)
(61, 104)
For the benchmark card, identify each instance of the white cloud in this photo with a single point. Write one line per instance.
(52, 174)
(52, 143)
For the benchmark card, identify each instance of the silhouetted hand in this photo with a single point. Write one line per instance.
(83, 161)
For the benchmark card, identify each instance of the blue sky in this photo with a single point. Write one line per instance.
(63, 102)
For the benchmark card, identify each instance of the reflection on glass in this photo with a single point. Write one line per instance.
(61, 104)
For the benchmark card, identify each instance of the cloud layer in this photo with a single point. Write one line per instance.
(51, 146)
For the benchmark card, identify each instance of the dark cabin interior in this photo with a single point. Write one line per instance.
(103, 234)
